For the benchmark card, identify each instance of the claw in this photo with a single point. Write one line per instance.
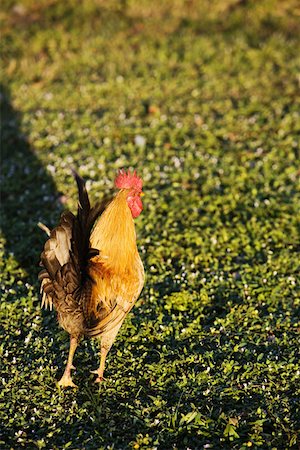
(99, 377)
(66, 381)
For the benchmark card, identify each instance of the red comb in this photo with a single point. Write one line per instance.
(128, 180)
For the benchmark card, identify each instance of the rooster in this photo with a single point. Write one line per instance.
(92, 272)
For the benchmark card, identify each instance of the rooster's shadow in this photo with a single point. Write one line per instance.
(28, 192)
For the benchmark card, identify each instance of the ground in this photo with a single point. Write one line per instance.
(202, 99)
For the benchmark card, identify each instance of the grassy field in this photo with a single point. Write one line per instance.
(202, 98)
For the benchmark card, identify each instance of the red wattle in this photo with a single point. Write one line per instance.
(136, 206)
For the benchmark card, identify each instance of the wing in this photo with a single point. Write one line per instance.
(118, 296)
(64, 280)
(107, 321)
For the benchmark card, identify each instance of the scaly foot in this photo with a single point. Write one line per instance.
(66, 379)
(100, 376)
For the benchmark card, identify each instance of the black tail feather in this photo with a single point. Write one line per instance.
(83, 198)
(67, 251)
(86, 218)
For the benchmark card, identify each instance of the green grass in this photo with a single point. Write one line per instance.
(209, 357)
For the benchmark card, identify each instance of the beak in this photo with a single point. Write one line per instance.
(142, 194)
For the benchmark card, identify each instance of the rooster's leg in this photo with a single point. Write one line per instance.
(66, 379)
(100, 371)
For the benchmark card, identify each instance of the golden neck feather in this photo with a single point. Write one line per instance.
(114, 235)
